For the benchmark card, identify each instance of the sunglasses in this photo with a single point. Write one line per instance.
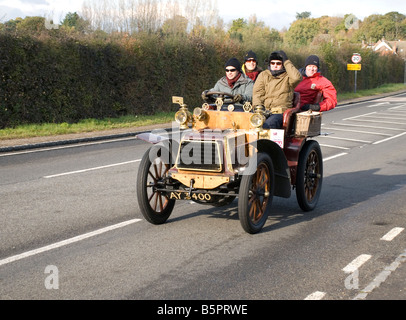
(231, 70)
(254, 61)
(276, 63)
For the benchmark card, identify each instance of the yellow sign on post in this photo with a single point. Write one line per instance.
(354, 67)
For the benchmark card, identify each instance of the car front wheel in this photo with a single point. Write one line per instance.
(256, 194)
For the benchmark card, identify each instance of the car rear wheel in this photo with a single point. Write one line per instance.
(156, 207)
(256, 194)
(309, 176)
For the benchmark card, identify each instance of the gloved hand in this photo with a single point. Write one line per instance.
(237, 98)
(204, 95)
(313, 107)
(283, 56)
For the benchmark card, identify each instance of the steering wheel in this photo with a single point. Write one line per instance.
(220, 94)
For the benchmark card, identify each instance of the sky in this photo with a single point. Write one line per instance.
(276, 14)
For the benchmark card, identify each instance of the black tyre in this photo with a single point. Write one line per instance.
(256, 195)
(309, 176)
(156, 207)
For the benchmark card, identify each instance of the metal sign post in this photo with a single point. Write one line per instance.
(356, 59)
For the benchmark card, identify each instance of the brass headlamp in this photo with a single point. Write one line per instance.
(183, 116)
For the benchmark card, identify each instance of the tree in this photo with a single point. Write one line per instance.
(73, 21)
(176, 25)
(303, 15)
(236, 28)
(302, 32)
(376, 26)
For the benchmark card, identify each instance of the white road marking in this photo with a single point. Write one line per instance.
(356, 263)
(346, 139)
(74, 145)
(318, 295)
(359, 131)
(335, 156)
(378, 120)
(365, 126)
(381, 277)
(392, 234)
(397, 107)
(67, 242)
(91, 169)
(359, 116)
(390, 138)
(377, 104)
(334, 147)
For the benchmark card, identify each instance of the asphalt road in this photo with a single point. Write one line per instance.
(71, 227)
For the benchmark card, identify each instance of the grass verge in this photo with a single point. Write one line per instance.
(386, 88)
(88, 125)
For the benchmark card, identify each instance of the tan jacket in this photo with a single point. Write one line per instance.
(276, 93)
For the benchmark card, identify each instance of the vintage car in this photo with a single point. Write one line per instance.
(225, 153)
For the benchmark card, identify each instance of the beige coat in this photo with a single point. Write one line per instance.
(276, 93)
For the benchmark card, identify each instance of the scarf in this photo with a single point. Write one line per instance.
(233, 81)
(253, 75)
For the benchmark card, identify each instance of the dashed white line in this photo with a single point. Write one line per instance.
(392, 234)
(356, 263)
(66, 242)
(90, 169)
(318, 295)
(76, 145)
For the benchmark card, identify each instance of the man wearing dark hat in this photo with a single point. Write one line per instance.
(234, 82)
(314, 83)
(274, 88)
(250, 66)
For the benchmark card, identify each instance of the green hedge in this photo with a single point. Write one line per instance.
(65, 79)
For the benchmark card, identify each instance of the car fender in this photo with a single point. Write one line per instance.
(282, 172)
(166, 147)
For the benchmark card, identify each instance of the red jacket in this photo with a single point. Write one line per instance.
(309, 87)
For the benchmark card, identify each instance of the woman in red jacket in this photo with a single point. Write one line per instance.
(313, 83)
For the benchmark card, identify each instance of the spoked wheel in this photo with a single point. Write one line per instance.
(256, 194)
(309, 176)
(155, 205)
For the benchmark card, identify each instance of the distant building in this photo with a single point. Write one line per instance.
(385, 47)
(399, 47)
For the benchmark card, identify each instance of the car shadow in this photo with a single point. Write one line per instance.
(339, 191)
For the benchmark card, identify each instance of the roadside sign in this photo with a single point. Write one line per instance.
(354, 67)
(356, 58)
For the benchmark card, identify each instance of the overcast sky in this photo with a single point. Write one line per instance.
(275, 13)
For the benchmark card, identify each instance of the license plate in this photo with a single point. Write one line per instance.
(187, 196)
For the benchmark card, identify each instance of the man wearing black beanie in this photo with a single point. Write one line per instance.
(315, 85)
(274, 88)
(234, 82)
